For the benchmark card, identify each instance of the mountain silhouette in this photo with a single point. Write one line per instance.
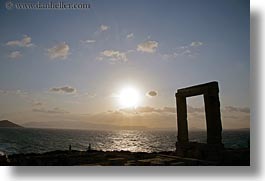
(8, 124)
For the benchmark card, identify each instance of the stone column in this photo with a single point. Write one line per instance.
(213, 115)
(182, 119)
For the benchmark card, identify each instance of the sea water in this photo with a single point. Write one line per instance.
(25, 140)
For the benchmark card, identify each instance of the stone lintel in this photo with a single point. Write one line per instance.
(208, 88)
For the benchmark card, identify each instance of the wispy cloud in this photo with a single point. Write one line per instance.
(13, 92)
(237, 109)
(148, 109)
(60, 50)
(191, 109)
(65, 89)
(90, 95)
(88, 41)
(186, 50)
(130, 36)
(113, 56)
(86, 95)
(146, 116)
(166, 109)
(196, 44)
(50, 111)
(148, 46)
(24, 42)
(15, 55)
(104, 28)
(34, 103)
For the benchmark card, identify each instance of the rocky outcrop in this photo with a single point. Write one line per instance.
(121, 158)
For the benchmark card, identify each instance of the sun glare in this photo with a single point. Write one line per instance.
(129, 97)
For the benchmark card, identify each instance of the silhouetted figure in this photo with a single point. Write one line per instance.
(89, 147)
(176, 144)
(70, 148)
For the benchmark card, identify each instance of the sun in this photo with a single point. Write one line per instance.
(129, 97)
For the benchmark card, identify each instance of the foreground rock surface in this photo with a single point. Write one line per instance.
(239, 157)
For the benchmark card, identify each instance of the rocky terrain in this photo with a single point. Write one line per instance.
(239, 157)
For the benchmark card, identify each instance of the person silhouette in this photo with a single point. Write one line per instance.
(70, 148)
(89, 147)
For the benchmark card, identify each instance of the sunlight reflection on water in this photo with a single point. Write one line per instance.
(43, 140)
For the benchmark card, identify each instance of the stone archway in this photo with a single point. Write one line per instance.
(210, 92)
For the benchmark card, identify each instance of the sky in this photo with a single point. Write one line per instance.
(66, 68)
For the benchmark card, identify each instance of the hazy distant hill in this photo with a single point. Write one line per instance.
(8, 124)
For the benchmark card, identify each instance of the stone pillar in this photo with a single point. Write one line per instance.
(213, 116)
(182, 119)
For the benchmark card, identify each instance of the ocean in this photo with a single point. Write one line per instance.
(26, 140)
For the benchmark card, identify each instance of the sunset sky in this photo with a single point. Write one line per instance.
(68, 68)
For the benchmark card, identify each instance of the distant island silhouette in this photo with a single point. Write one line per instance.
(8, 124)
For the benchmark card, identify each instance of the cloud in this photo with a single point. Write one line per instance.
(89, 95)
(4, 92)
(227, 109)
(191, 109)
(152, 93)
(114, 55)
(147, 109)
(237, 109)
(130, 36)
(60, 50)
(196, 44)
(148, 117)
(148, 46)
(88, 41)
(183, 50)
(166, 109)
(169, 109)
(24, 42)
(15, 54)
(186, 50)
(104, 28)
(65, 89)
(86, 95)
(169, 56)
(37, 104)
(50, 111)
(14, 92)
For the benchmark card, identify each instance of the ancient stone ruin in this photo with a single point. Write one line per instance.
(214, 147)
(210, 92)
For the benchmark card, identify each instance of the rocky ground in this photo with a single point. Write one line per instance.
(239, 157)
